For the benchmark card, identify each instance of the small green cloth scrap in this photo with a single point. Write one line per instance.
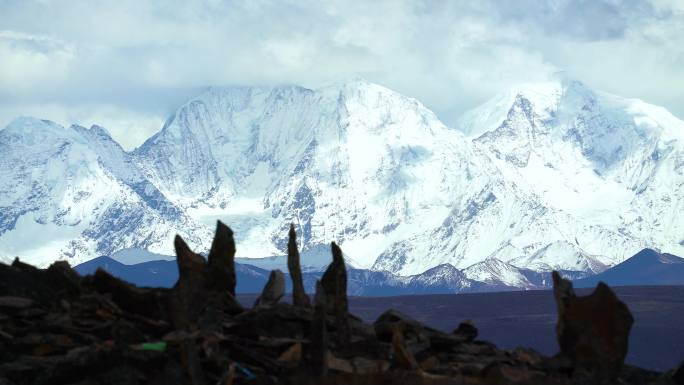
(154, 346)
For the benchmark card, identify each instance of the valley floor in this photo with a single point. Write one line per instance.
(528, 318)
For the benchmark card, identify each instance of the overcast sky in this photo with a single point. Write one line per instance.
(127, 65)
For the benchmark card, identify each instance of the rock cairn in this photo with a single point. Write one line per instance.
(57, 327)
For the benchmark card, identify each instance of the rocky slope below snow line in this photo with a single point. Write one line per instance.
(547, 176)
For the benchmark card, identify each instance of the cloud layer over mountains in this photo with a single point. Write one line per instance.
(127, 65)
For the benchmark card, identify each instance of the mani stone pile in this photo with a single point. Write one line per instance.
(57, 327)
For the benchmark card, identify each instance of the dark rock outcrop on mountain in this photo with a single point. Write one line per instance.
(59, 328)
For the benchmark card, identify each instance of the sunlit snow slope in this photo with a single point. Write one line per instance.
(356, 163)
(73, 193)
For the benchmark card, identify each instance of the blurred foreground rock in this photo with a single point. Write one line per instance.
(593, 331)
(59, 328)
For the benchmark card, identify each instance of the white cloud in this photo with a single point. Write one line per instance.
(669, 5)
(129, 60)
(29, 60)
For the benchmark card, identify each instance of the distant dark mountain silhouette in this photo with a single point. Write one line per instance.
(250, 279)
(647, 267)
(443, 279)
(152, 274)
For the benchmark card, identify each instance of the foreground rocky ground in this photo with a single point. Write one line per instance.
(528, 318)
(57, 327)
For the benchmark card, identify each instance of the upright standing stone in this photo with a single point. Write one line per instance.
(273, 290)
(334, 283)
(318, 349)
(592, 330)
(299, 297)
(203, 289)
(221, 272)
(188, 300)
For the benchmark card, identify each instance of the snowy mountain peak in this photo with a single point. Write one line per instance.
(94, 130)
(565, 122)
(494, 271)
(354, 150)
(30, 131)
(351, 83)
(564, 104)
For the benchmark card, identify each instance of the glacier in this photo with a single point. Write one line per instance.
(545, 176)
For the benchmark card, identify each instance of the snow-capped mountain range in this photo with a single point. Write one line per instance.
(545, 176)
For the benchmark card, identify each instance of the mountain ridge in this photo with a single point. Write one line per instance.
(645, 268)
(550, 186)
